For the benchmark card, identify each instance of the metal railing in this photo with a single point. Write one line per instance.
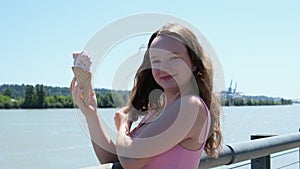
(254, 149)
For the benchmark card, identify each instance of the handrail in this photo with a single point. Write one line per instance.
(238, 152)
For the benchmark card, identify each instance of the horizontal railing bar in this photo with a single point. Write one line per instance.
(237, 152)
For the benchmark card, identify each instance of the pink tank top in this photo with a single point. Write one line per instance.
(178, 157)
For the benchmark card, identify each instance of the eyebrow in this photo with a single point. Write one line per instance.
(174, 52)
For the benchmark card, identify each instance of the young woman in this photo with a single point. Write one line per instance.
(173, 90)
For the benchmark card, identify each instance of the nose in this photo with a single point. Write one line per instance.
(161, 67)
(165, 65)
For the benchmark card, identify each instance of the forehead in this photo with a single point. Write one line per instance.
(167, 44)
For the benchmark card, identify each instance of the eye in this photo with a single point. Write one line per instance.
(174, 57)
(155, 61)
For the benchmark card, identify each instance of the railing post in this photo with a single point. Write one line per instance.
(261, 162)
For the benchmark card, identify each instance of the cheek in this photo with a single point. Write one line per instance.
(155, 73)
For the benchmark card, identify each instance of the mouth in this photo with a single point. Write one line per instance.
(167, 77)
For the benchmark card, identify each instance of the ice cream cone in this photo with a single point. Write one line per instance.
(84, 78)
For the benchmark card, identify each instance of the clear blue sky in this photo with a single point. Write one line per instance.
(257, 41)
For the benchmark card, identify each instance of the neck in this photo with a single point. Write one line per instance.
(172, 95)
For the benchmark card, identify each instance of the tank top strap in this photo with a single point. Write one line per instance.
(208, 118)
(141, 123)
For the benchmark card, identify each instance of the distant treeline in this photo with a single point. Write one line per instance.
(255, 101)
(40, 96)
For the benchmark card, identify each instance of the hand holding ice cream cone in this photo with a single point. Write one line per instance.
(81, 70)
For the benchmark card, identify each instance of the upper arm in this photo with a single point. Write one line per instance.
(175, 124)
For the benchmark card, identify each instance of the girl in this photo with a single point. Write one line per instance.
(173, 90)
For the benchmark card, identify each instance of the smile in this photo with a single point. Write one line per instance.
(167, 77)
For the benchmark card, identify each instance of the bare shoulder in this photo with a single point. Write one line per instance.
(195, 105)
(193, 101)
(192, 105)
(196, 136)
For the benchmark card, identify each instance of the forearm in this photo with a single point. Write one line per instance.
(103, 155)
(128, 156)
(103, 146)
(123, 141)
(123, 144)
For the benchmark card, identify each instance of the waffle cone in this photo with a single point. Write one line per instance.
(84, 78)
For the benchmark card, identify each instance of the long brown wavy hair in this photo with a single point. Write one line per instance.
(144, 84)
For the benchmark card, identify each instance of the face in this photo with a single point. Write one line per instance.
(170, 62)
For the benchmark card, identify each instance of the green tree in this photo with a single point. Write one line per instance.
(125, 97)
(29, 97)
(117, 99)
(8, 92)
(50, 102)
(106, 100)
(4, 101)
(238, 101)
(249, 102)
(40, 96)
(99, 99)
(57, 101)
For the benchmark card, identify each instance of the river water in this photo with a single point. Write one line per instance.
(57, 138)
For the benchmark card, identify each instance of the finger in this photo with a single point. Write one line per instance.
(126, 110)
(72, 84)
(76, 86)
(116, 116)
(77, 91)
(92, 92)
(80, 89)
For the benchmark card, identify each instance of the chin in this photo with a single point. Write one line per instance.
(169, 86)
